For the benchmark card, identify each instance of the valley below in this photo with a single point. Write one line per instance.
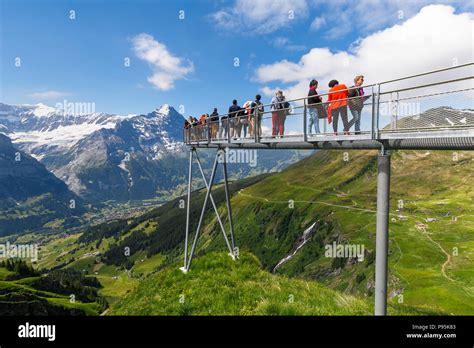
(283, 221)
(104, 207)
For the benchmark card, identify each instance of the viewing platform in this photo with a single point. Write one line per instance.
(430, 110)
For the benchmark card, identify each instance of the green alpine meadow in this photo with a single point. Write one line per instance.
(286, 226)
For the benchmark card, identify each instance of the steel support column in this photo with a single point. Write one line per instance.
(214, 205)
(229, 208)
(201, 218)
(381, 247)
(220, 157)
(190, 176)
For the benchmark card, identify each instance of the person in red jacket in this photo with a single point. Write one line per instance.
(337, 99)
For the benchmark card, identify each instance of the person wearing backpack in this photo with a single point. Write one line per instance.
(313, 100)
(278, 107)
(284, 112)
(356, 102)
(337, 99)
(223, 127)
(214, 123)
(234, 124)
(257, 114)
(246, 119)
(186, 131)
(194, 130)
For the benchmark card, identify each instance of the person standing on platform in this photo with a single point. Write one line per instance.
(214, 123)
(278, 106)
(356, 102)
(257, 114)
(337, 99)
(313, 100)
(234, 124)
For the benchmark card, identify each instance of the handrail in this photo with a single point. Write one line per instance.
(380, 83)
(426, 73)
(375, 102)
(429, 85)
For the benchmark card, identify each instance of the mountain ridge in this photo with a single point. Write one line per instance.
(30, 195)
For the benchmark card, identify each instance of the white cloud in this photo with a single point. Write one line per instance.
(317, 23)
(268, 91)
(435, 37)
(280, 41)
(260, 16)
(49, 94)
(166, 67)
(285, 43)
(364, 16)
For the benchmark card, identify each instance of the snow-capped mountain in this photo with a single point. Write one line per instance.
(94, 152)
(104, 156)
(39, 129)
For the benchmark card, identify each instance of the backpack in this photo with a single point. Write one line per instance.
(257, 107)
(322, 111)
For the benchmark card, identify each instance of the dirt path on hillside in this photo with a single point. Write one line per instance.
(310, 202)
(414, 217)
(343, 194)
(448, 257)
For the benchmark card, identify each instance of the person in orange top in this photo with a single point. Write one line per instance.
(338, 105)
(203, 130)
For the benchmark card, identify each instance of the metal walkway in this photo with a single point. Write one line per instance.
(432, 110)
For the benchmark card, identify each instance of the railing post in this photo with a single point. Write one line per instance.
(325, 123)
(228, 128)
(396, 111)
(208, 131)
(305, 121)
(393, 110)
(229, 207)
(377, 113)
(255, 123)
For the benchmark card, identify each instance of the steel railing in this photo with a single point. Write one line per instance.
(447, 104)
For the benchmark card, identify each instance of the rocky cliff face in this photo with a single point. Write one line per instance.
(21, 176)
(30, 195)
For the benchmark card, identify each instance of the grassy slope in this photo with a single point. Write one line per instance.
(38, 301)
(342, 193)
(116, 283)
(216, 285)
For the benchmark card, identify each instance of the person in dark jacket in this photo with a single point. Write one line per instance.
(214, 123)
(187, 137)
(192, 125)
(257, 114)
(356, 102)
(234, 119)
(313, 100)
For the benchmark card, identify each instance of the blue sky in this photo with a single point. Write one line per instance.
(83, 59)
